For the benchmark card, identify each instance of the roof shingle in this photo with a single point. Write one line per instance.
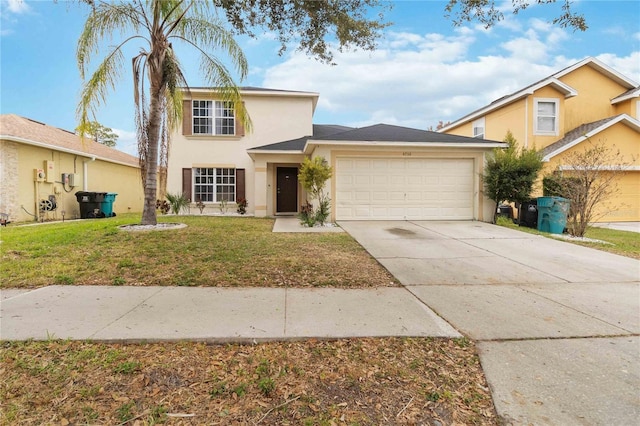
(15, 126)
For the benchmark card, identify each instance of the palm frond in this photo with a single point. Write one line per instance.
(217, 75)
(94, 91)
(211, 34)
(104, 20)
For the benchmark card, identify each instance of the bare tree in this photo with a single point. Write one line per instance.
(589, 179)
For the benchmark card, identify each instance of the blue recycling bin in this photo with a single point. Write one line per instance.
(106, 206)
(552, 214)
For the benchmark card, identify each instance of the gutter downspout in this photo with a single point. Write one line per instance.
(85, 171)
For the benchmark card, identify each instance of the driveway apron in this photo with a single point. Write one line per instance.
(557, 324)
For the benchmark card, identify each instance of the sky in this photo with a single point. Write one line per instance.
(424, 69)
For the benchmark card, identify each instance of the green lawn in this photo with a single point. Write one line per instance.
(210, 251)
(624, 243)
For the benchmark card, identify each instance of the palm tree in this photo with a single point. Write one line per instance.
(157, 74)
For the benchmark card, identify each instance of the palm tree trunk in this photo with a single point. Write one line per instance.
(149, 216)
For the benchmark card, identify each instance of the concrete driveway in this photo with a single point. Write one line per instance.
(557, 325)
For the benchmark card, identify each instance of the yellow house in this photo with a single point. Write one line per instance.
(43, 167)
(588, 101)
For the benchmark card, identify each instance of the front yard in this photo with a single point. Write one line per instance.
(368, 381)
(210, 251)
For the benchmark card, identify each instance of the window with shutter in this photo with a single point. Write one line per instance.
(213, 118)
(213, 185)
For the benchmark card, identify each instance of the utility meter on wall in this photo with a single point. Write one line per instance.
(39, 175)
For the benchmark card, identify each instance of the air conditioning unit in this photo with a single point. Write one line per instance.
(39, 175)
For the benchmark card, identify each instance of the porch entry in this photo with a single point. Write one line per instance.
(287, 190)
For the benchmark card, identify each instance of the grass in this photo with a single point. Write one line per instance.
(210, 251)
(348, 381)
(624, 243)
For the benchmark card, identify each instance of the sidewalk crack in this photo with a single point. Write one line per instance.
(160, 289)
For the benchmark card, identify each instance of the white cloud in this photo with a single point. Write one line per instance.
(427, 80)
(629, 66)
(417, 79)
(17, 6)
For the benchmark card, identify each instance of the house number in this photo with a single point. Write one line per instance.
(406, 154)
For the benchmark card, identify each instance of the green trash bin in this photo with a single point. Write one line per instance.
(552, 214)
(106, 206)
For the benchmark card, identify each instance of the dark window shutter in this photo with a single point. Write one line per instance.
(239, 125)
(186, 183)
(187, 118)
(240, 184)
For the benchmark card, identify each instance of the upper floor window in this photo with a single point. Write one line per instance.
(213, 118)
(546, 116)
(478, 128)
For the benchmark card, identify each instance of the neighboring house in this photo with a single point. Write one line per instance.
(586, 101)
(43, 166)
(379, 172)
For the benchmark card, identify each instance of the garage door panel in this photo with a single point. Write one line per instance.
(395, 180)
(404, 188)
(381, 180)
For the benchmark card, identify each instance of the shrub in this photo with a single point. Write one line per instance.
(163, 206)
(242, 205)
(306, 215)
(178, 202)
(313, 175)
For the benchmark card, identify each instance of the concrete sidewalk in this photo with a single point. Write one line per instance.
(129, 314)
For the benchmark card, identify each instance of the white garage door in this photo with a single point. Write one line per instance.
(404, 189)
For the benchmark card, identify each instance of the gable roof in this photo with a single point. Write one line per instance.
(585, 131)
(24, 130)
(552, 80)
(378, 134)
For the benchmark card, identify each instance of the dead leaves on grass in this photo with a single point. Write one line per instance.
(351, 381)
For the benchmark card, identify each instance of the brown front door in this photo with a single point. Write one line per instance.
(287, 190)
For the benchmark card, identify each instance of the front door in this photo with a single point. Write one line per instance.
(287, 190)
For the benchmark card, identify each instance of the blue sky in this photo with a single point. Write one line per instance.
(423, 71)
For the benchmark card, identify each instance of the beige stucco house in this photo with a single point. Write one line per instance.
(43, 167)
(559, 115)
(379, 172)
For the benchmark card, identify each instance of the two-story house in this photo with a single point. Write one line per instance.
(588, 101)
(379, 172)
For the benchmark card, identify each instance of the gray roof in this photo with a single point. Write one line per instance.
(246, 89)
(390, 133)
(323, 130)
(319, 131)
(576, 133)
(375, 133)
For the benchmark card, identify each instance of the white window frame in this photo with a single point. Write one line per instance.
(478, 124)
(220, 183)
(537, 116)
(219, 117)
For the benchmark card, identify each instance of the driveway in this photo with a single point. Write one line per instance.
(557, 325)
